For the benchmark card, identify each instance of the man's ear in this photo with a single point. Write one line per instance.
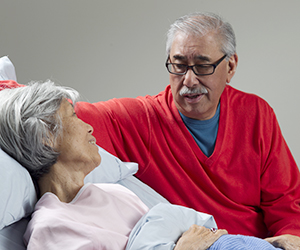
(232, 65)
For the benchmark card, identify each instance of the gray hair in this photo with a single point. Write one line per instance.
(30, 124)
(200, 24)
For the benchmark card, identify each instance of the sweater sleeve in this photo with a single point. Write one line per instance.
(280, 183)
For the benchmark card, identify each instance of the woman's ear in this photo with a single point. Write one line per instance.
(232, 65)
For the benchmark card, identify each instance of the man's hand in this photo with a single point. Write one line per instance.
(286, 242)
(198, 238)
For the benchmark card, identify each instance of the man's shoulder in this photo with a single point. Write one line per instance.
(235, 96)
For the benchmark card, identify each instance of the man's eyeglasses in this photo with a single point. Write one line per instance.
(198, 69)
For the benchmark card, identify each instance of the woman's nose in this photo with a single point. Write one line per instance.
(90, 128)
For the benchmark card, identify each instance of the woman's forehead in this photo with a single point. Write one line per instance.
(66, 108)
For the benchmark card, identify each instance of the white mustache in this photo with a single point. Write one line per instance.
(186, 90)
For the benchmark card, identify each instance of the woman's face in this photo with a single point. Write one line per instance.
(77, 146)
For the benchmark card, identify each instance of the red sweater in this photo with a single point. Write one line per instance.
(250, 184)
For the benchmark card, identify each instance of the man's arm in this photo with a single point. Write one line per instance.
(286, 241)
(280, 184)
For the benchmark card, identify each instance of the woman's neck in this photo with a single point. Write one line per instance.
(61, 182)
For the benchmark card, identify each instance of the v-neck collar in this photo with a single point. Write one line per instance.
(220, 136)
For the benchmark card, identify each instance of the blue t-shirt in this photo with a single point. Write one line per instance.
(204, 132)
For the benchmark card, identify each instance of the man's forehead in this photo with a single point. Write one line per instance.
(192, 47)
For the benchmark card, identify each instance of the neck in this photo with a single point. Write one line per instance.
(61, 182)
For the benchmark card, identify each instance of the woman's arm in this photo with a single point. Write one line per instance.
(166, 225)
(198, 238)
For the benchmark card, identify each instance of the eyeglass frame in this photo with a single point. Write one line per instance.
(192, 67)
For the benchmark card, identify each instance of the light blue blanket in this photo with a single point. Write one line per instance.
(161, 227)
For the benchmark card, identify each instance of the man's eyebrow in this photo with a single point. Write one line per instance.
(199, 57)
(203, 58)
(179, 57)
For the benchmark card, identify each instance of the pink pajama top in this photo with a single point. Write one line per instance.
(101, 216)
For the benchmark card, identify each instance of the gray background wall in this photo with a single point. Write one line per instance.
(116, 48)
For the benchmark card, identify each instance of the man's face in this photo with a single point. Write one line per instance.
(190, 50)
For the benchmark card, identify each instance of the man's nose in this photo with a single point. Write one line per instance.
(190, 79)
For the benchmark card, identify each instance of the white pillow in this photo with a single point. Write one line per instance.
(111, 169)
(17, 192)
(7, 69)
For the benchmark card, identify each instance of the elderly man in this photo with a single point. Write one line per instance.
(203, 144)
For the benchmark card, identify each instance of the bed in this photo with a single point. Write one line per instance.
(17, 191)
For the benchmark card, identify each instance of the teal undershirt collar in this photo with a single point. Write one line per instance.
(204, 132)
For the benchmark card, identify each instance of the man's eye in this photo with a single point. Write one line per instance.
(202, 68)
(179, 67)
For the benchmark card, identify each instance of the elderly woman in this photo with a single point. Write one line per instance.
(40, 129)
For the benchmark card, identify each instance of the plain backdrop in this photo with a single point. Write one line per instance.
(116, 48)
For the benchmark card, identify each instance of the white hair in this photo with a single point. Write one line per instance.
(30, 125)
(200, 24)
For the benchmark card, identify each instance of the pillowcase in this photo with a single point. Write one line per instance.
(17, 192)
(111, 169)
(7, 69)
(8, 76)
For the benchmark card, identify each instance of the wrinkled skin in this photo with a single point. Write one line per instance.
(286, 241)
(198, 238)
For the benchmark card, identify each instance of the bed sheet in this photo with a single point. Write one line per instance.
(11, 237)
